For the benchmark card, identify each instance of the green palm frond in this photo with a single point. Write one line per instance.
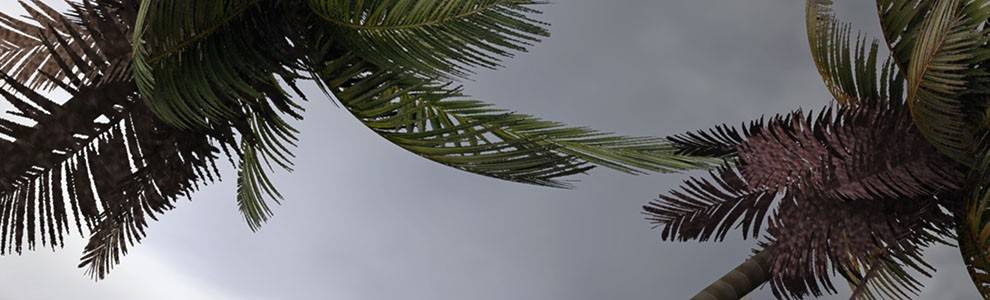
(263, 147)
(885, 275)
(942, 44)
(200, 68)
(434, 37)
(974, 227)
(940, 68)
(849, 70)
(203, 70)
(439, 123)
(973, 245)
(161, 90)
(901, 22)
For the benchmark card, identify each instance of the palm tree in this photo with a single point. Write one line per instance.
(159, 92)
(900, 162)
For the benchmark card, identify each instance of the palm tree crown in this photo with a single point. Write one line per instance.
(900, 162)
(162, 91)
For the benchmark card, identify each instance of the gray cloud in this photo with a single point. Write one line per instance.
(366, 220)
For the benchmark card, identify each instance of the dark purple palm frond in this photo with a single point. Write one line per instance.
(720, 141)
(708, 208)
(866, 152)
(849, 181)
(809, 239)
(98, 163)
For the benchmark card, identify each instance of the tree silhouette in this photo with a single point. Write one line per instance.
(160, 92)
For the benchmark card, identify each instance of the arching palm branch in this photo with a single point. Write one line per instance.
(159, 91)
(899, 163)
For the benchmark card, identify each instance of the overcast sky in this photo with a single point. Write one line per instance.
(364, 219)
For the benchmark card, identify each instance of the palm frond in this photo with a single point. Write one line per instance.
(851, 73)
(709, 209)
(197, 69)
(974, 254)
(849, 70)
(839, 188)
(204, 71)
(974, 230)
(99, 159)
(437, 122)
(170, 164)
(718, 142)
(434, 37)
(28, 47)
(885, 274)
(810, 240)
(263, 147)
(43, 159)
(901, 22)
(950, 42)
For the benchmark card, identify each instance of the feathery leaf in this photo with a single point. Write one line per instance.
(434, 37)
(841, 191)
(439, 123)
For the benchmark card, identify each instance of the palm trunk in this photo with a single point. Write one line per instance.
(745, 278)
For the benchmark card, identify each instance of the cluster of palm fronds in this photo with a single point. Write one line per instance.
(160, 91)
(900, 163)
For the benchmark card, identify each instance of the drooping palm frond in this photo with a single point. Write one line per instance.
(159, 89)
(974, 230)
(948, 92)
(39, 158)
(441, 124)
(883, 275)
(906, 21)
(198, 61)
(950, 42)
(841, 191)
(170, 164)
(851, 71)
(100, 159)
(434, 37)
(198, 66)
(464, 134)
(974, 255)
